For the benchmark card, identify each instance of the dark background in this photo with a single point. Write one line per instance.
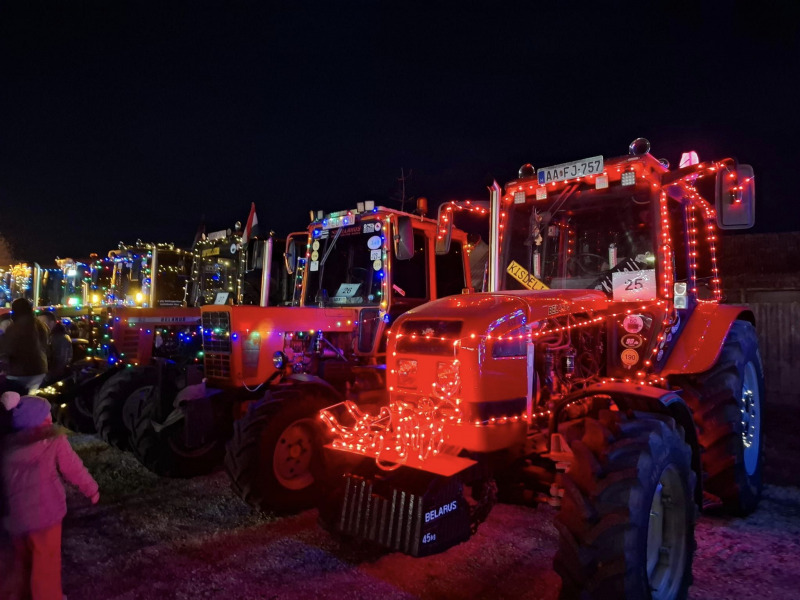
(123, 120)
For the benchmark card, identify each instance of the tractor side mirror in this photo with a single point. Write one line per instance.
(404, 239)
(735, 197)
(290, 254)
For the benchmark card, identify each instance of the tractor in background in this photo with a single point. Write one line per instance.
(601, 374)
(156, 329)
(268, 371)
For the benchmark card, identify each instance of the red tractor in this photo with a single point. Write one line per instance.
(270, 370)
(154, 317)
(601, 374)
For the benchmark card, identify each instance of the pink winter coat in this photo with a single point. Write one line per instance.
(34, 494)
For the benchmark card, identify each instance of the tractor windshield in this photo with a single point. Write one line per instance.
(131, 282)
(218, 273)
(129, 285)
(173, 274)
(577, 239)
(345, 266)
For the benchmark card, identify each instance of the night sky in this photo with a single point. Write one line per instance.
(124, 120)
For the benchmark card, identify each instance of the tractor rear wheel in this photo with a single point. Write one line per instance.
(88, 380)
(116, 402)
(165, 452)
(275, 459)
(626, 525)
(726, 402)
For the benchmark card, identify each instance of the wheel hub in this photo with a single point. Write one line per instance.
(750, 407)
(292, 457)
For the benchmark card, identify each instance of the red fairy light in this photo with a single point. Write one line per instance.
(406, 428)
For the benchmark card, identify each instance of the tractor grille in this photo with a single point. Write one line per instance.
(403, 515)
(128, 346)
(216, 332)
(217, 344)
(217, 366)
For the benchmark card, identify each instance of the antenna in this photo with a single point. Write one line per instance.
(402, 181)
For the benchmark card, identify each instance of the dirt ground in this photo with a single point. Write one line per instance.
(153, 538)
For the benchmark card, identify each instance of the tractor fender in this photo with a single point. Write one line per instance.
(699, 344)
(650, 399)
(190, 393)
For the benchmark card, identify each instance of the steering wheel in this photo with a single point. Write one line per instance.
(597, 260)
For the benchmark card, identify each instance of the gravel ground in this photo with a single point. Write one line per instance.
(152, 538)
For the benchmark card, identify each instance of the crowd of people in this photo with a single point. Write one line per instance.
(35, 455)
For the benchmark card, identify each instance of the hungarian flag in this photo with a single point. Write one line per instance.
(251, 228)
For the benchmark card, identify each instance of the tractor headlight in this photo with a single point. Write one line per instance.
(279, 360)
(407, 373)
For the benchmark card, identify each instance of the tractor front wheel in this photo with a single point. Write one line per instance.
(275, 459)
(626, 525)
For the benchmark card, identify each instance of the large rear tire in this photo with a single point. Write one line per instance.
(116, 401)
(726, 402)
(165, 452)
(275, 459)
(626, 525)
(88, 381)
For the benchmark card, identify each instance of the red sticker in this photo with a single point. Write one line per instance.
(631, 340)
(629, 357)
(633, 324)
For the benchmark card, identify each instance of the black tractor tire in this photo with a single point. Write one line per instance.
(275, 459)
(115, 399)
(727, 405)
(165, 452)
(88, 378)
(626, 525)
(81, 410)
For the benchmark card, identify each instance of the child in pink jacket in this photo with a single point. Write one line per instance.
(33, 456)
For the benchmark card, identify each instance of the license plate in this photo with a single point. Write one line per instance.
(571, 170)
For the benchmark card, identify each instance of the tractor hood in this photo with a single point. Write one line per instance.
(486, 313)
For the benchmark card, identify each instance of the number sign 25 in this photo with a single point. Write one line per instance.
(631, 286)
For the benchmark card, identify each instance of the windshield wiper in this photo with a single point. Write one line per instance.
(329, 248)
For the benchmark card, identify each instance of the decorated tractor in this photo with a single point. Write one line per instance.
(269, 371)
(601, 374)
(154, 316)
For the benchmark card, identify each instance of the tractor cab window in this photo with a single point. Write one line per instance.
(410, 277)
(345, 265)
(450, 272)
(704, 259)
(677, 239)
(218, 271)
(578, 239)
(251, 278)
(173, 274)
(130, 284)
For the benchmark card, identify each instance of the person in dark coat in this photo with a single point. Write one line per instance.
(24, 346)
(59, 348)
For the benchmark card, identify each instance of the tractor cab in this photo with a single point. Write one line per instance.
(149, 275)
(360, 270)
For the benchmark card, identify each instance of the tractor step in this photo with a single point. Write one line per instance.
(407, 511)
